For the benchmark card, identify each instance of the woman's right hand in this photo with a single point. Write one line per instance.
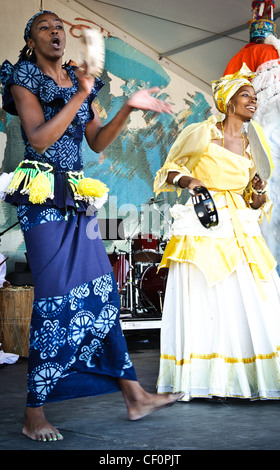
(85, 81)
(186, 181)
(194, 183)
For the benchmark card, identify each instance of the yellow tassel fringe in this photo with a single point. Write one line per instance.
(89, 187)
(39, 188)
(40, 184)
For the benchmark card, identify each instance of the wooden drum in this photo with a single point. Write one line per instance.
(15, 315)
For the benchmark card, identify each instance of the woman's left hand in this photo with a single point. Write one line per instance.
(142, 99)
(258, 199)
(258, 184)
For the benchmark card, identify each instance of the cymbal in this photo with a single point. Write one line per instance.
(152, 201)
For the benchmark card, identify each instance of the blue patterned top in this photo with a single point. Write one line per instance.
(66, 153)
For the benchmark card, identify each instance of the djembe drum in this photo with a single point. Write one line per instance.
(15, 316)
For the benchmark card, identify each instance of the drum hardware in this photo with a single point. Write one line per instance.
(143, 292)
(119, 263)
(147, 300)
(204, 206)
(152, 201)
(141, 288)
(144, 249)
(131, 304)
(169, 223)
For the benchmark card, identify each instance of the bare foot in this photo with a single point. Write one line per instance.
(37, 428)
(141, 403)
(151, 403)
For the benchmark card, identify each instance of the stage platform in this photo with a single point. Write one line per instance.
(100, 424)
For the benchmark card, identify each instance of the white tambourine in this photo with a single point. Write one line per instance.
(260, 150)
(92, 51)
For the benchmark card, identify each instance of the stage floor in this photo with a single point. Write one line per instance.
(100, 423)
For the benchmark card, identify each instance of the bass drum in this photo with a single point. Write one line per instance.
(120, 265)
(146, 249)
(152, 287)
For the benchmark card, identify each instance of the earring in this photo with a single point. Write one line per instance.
(233, 109)
(29, 52)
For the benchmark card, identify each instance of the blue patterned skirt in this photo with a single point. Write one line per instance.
(77, 347)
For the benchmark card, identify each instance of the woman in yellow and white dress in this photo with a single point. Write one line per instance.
(220, 332)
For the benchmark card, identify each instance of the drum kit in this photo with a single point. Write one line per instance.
(141, 285)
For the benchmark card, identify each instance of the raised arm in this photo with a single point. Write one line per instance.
(42, 134)
(99, 137)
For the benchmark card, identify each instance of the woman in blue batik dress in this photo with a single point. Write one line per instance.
(76, 344)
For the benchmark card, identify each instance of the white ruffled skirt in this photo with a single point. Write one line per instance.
(220, 340)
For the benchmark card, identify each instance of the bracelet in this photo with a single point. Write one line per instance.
(259, 192)
(176, 180)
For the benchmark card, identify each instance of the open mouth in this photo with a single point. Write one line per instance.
(55, 42)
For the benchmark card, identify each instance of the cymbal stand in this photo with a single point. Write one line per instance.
(169, 223)
(130, 276)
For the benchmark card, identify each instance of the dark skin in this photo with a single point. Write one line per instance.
(241, 108)
(48, 42)
(41, 134)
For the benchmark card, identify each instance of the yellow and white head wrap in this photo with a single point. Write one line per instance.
(224, 88)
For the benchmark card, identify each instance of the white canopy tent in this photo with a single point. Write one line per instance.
(194, 38)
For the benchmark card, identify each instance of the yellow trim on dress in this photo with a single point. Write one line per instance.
(228, 360)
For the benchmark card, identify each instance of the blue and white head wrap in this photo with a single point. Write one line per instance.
(29, 24)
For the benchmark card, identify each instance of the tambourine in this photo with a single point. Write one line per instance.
(204, 206)
(260, 150)
(92, 51)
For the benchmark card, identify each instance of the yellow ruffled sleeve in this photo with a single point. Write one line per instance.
(186, 152)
